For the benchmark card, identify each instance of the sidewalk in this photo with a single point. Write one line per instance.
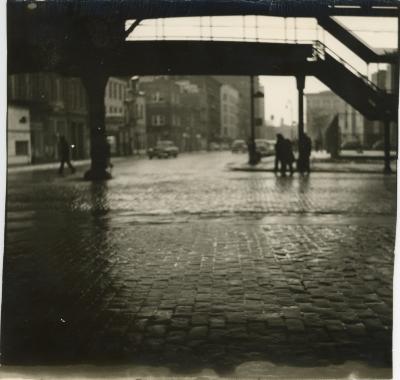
(56, 165)
(319, 164)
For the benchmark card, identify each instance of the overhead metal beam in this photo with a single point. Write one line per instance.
(149, 9)
(177, 58)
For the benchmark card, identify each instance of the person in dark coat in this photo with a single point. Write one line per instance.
(304, 154)
(279, 148)
(63, 149)
(287, 157)
(284, 156)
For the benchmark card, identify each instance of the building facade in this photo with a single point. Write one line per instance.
(229, 113)
(322, 107)
(163, 107)
(385, 80)
(119, 134)
(242, 85)
(18, 135)
(135, 117)
(194, 128)
(57, 106)
(210, 107)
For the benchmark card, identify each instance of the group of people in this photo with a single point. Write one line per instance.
(284, 156)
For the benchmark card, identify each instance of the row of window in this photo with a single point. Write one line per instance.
(159, 120)
(47, 87)
(116, 90)
(158, 97)
(231, 109)
(229, 119)
(117, 110)
(231, 98)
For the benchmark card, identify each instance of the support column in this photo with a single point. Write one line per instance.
(300, 80)
(95, 84)
(300, 87)
(387, 169)
(252, 143)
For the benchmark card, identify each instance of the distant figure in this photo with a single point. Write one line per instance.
(63, 149)
(287, 158)
(284, 156)
(279, 147)
(108, 155)
(303, 164)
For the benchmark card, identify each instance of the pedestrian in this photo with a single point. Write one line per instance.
(287, 157)
(303, 164)
(278, 152)
(63, 149)
(108, 154)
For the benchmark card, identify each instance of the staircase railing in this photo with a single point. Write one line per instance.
(319, 53)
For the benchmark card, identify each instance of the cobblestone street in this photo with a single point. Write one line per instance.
(185, 264)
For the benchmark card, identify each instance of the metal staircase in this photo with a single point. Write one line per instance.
(353, 87)
(354, 43)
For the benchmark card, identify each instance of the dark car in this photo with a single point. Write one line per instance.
(266, 148)
(163, 149)
(352, 145)
(239, 146)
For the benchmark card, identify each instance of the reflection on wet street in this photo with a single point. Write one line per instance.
(185, 264)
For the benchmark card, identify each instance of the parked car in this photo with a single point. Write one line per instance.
(380, 145)
(163, 149)
(265, 147)
(239, 146)
(352, 145)
(215, 146)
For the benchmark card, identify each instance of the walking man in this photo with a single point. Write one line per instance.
(63, 149)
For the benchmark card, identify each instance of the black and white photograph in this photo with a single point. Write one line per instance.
(200, 189)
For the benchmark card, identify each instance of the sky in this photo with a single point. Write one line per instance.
(280, 92)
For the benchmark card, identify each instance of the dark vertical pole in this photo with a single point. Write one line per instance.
(300, 87)
(252, 143)
(95, 84)
(300, 79)
(387, 169)
(252, 126)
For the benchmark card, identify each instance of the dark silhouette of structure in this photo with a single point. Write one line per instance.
(332, 138)
(88, 40)
(304, 154)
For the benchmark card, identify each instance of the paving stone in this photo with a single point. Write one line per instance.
(198, 332)
(217, 322)
(255, 281)
(199, 319)
(357, 329)
(295, 325)
(156, 330)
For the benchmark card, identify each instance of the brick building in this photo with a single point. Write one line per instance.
(322, 107)
(229, 113)
(18, 135)
(57, 106)
(163, 108)
(118, 132)
(210, 106)
(242, 85)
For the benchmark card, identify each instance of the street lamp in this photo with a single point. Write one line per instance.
(254, 159)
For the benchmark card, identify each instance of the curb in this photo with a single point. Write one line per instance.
(316, 170)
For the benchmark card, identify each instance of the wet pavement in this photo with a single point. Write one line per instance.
(184, 264)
